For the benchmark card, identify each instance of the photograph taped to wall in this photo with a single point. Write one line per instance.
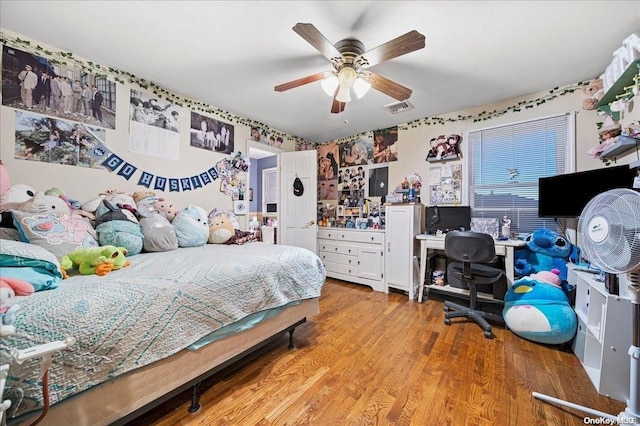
(211, 134)
(49, 140)
(385, 146)
(31, 82)
(328, 190)
(328, 161)
(356, 153)
(145, 108)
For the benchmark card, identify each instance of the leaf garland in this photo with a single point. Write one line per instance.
(120, 77)
(67, 58)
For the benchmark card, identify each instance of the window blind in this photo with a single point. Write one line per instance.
(505, 163)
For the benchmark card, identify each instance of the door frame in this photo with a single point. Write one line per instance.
(261, 149)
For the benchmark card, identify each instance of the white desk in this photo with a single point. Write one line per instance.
(436, 242)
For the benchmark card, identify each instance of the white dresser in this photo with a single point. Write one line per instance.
(353, 255)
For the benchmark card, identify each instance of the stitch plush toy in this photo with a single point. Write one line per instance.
(544, 250)
(537, 309)
(95, 260)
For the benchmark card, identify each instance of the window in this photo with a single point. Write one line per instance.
(505, 163)
(270, 191)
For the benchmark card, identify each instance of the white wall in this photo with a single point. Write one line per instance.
(83, 184)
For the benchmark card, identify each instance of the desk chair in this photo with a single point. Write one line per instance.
(469, 250)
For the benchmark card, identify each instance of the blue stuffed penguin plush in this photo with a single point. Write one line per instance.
(544, 250)
(537, 309)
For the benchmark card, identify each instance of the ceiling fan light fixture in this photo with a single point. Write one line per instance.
(329, 85)
(361, 87)
(344, 94)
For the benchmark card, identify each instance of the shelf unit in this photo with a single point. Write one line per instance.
(625, 143)
(604, 334)
(625, 80)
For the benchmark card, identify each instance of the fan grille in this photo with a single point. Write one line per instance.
(609, 229)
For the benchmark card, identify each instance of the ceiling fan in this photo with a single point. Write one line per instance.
(350, 63)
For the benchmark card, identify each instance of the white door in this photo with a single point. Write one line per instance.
(297, 225)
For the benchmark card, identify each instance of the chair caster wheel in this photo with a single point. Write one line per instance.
(487, 334)
(447, 321)
(446, 309)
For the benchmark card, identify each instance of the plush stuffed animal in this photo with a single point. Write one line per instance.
(41, 203)
(165, 208)
(595, 91)
(16, 194)
(9, 289)
(120, 227)
(115, 197)
(539, 311)
(544, 250)
(95, 260)
(192, 226)
(220, 229)
(144, 201)
(159, 234)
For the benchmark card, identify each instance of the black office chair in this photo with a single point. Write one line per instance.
(469, 251)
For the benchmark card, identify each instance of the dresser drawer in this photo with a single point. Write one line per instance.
(339, 258)
(341, 269)
(328, 234)
(360, 236)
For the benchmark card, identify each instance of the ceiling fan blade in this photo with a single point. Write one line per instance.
(301, 81)
(402, 45)
(317, 40)
(337, 107)
(386, 86)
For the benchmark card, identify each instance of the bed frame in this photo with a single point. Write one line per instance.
(124, 398)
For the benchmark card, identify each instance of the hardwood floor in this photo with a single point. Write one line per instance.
(375, 358)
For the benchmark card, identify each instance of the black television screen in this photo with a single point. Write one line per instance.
(448, 218)
(567, 195)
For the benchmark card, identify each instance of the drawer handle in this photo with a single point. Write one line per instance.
(349, 250)
(342, 235)
(323, 247)
(336, 248)
(371, 238)
(349, 260)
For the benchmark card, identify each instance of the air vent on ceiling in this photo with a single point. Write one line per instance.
(398, 107)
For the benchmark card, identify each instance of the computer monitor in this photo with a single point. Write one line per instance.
(448, 218)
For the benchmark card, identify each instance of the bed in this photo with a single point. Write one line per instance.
(157, 327)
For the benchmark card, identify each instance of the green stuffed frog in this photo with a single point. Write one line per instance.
(95, 260)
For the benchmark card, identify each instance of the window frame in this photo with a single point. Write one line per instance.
(569, 161)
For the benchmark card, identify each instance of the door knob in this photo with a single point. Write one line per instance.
(310, 223)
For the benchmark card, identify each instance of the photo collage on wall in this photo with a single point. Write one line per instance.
(445, 184)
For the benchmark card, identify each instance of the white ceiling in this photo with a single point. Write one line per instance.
(231, 54)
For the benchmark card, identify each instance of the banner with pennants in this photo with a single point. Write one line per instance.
(226, 168)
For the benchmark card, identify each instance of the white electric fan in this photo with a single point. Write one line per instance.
(609, 228)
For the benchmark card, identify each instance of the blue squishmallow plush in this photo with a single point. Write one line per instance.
(544, 250)
(538, 310)
(192, 226)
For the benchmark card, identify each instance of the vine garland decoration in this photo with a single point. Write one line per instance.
(119, 76)
(67, 58)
